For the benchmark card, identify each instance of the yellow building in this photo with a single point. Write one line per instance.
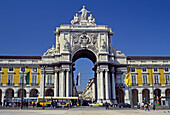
(12, 70)
(150, 78)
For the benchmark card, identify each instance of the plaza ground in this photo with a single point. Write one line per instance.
(82, 111)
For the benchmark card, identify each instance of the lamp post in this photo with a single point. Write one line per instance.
(22, 87)
(44, 88)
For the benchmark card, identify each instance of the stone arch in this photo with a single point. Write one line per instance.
(0, 95)
(135, 96)
(49, 92)
(157, 94)
(9, 93)
(119, 95)
(167, 94)
(84, 53)
(145, 95)
(34, 93)
(20, 93)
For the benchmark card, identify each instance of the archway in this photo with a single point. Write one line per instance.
(167, 94)
(34, 93)
(135, 97)
(157, 94)
(20, 93)
(9, 94)
(0, 95)
(84, 61)
(49, 92)
(145, 95)
(119, 95)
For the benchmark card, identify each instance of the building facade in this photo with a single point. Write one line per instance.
(82, 39)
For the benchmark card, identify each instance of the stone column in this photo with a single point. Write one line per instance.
(3, 94)
(93, 85)
(27, 94)
(61, 84)
(106, 85)
(56, 84)
(140, 97)
(101, 85)
(67, 83)
(113, 87)
(71, 84)
(42, 83)
(98, 85)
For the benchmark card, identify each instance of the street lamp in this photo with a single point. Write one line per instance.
(44, 88)
(22, 79)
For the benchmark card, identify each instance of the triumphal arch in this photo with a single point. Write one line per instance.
(83, 38)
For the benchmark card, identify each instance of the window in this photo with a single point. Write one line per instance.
(0, 68)
(133, 79)
(166, 69)
(118, 79)
(22, 69)
(11, 69)
(144, 70)
(34, 69)
(10, 79)
(145, 79)
(156, 79)
(132, 69)
(49, 79)
(22, 79)
(34, 79)
(155, 69)
(167, 79)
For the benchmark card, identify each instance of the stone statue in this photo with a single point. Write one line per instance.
(66, 45)
(84, 13)
(103, 44)
(76, 19)
(50, 51)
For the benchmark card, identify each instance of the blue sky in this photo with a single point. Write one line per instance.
(141, 27)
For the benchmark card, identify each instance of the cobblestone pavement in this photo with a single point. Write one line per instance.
(82, 111)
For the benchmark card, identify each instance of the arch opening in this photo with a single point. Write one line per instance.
(84, 65)
(84, 54)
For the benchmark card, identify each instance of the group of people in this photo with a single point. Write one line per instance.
(146, 106)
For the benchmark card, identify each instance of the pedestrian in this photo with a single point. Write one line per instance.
(153, 106)
(33, 104)
(148, 106)
(107, 105)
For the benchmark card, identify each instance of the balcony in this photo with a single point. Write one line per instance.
(49, 85)
(34, 84)
(145, 84)
(10, 84)
(134, 84)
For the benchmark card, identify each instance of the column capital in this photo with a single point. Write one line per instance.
(67, 70)
(106, 70)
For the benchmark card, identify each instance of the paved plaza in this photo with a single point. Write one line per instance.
(83, 111)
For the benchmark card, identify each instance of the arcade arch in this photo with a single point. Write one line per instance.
(34, 93)
(49, 92)
(146, 95)
(119, 95)
(9, 93)
(135, 96)
(20, 93)
(157, 94)
(167, 94)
